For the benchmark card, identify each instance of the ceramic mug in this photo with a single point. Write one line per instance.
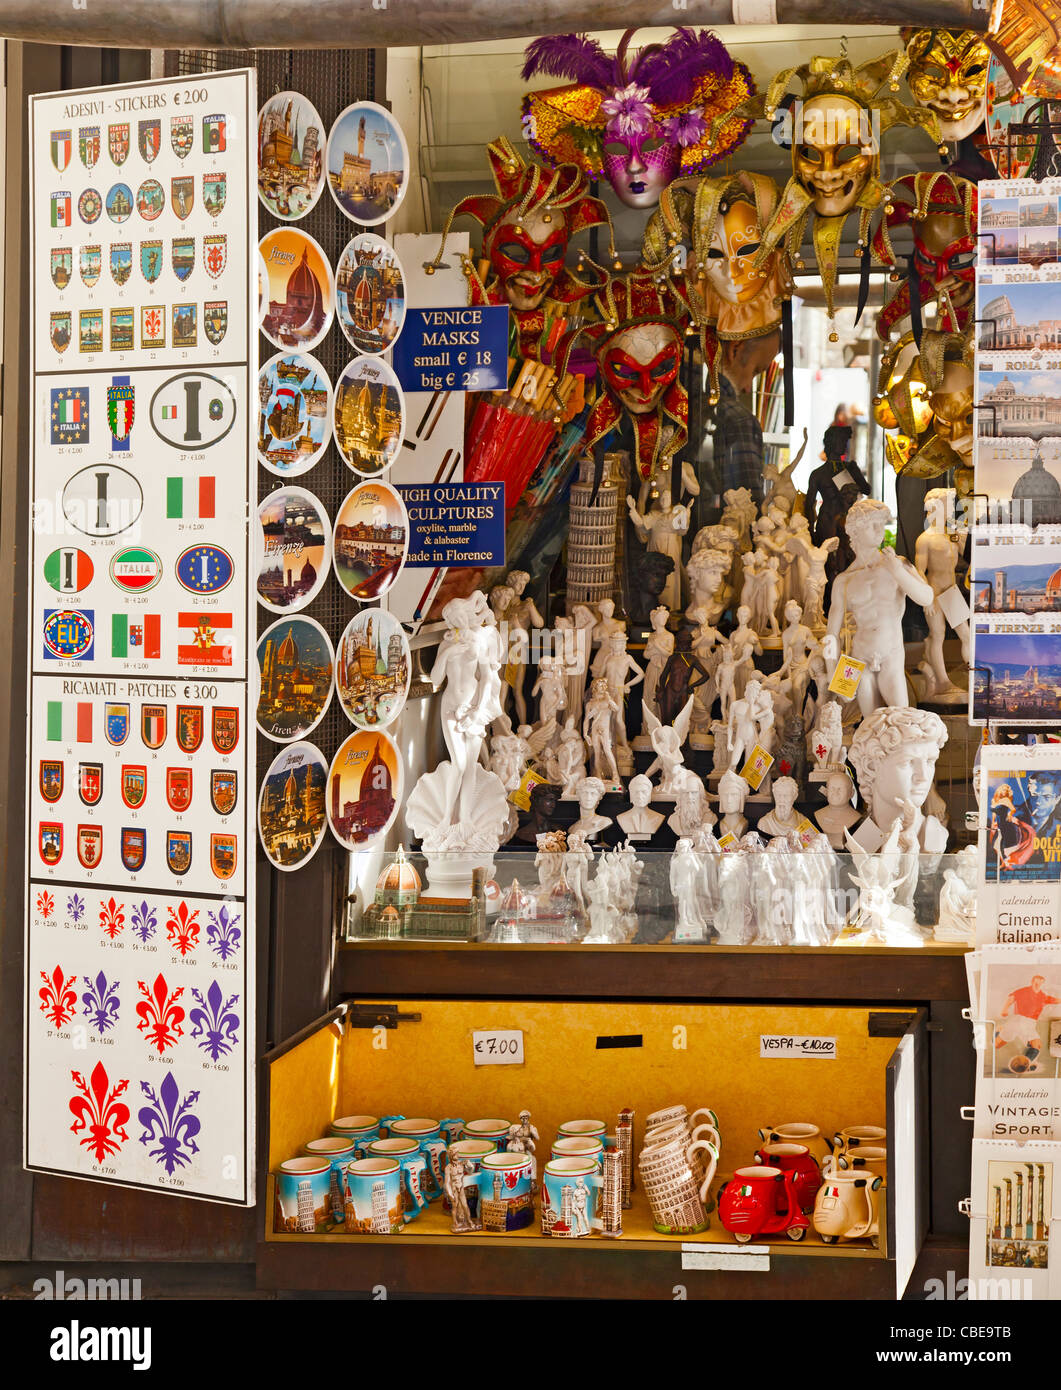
(846, 1206)
(866, 1159)
(569, 1197)
(494, 1130)
(506, 1201)
(359, 1129)
(590, 1147)
(797, 1133)
(373, 1197)
(852, 1136)
(798, 1160)
(671, 1185)
(303, 1195)
(761, 1200)
(433, 1144)
(339, 1152)
(413, 1164)
(584, 1129)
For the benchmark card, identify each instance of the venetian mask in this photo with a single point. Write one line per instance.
(945, 256)
(640, 363)
(948, 74)
(952, 405)
(834, 154)
(527, 254)
(639, 167)
(734, 246)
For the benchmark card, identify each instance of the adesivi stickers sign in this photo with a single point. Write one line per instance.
(135, 570)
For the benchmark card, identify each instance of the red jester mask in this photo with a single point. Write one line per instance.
(527, 254)
(640, 363)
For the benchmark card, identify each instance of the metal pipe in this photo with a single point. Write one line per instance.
(389, 23)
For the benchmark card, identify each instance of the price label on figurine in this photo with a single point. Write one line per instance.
(955, 609)
(758, 765)
(846, 677)
(521, 797)
(497, 1047)
(728, 841)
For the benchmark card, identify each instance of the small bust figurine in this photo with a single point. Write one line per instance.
(543, 798)
(609, 623)
(838, 815)
(691, 814)
(732, 792)
(640, 822)
(589, 825)
(782, 819)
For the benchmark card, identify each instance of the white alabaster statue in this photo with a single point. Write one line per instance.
(745, 645)
(957, 900)
(578, 861)
(522, 615)
(658, 647)
(882, 880)
(692, 815)
(735, 916)
(570, 761)
(608, 623)
(782, 819)
(577, 637)
(894, 754)
(598, 728)
(589, 825)
(661, 530)
(936, 556)
(739, 510)
(668, 740)
(872, 592)
(640, 822)
(549, 687)
(687, 889)
(706, 571)
(726, 680)
(602, 894)
(761, 592)
(708, 646)
(457, 809)
(814, 559)
(614, 664)
(837, 816)
(826, 741)
(506, 759)
(732, 794)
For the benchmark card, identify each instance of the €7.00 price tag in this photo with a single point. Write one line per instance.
(497, 1047)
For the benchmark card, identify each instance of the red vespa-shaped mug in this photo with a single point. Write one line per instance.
(798, 1160)
(761, 1201)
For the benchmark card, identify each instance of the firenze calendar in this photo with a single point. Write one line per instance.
(139, 1043)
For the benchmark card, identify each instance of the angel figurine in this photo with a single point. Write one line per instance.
(667, 741)
(815, 558)
(879, 920)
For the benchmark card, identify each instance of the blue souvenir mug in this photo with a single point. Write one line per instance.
(506, 1201)
(339, 1152)
(303, 1196)
(359, 1129)
(372, 1189)
(569, 1196)
(414, 1167)
(471, 1152)
(494, 1130)
(433, 1142)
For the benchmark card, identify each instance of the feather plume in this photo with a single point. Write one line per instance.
(672, 70)
(574, 56)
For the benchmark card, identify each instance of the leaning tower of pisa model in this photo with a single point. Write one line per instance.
(591, 537)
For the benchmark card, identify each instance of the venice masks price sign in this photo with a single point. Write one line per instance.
(139, 1006)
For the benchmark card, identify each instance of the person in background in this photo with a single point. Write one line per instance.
(824, 504)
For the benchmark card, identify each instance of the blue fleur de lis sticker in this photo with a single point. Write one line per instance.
(101, 1003)
(216, 1025)
(145, 920)
(222, 932)
(169, 1124)
(75, 907)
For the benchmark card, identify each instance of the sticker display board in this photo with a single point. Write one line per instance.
(141, 796)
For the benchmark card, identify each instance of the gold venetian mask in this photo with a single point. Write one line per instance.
(948, 74)
(952, 406)
(834, 154)
(733, 248)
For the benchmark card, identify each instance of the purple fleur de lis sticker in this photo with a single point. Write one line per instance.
(222, 933)
(145, 920)
(170, 1124)
(101, 1003)
(75, 907)
(214, 1023)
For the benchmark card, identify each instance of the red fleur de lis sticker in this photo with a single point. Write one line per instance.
(45, 904)
(99, 1110)
(183, 928)
(58, 996)
(159, 1013)
(112, 917)
(820, 750)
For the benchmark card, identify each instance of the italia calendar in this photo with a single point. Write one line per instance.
(139, 1033)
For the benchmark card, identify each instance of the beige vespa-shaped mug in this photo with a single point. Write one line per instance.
(797, 1133)
(855, 1136)
(847, 1206)
(864, 1160)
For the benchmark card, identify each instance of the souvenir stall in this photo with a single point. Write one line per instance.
(643, 730)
